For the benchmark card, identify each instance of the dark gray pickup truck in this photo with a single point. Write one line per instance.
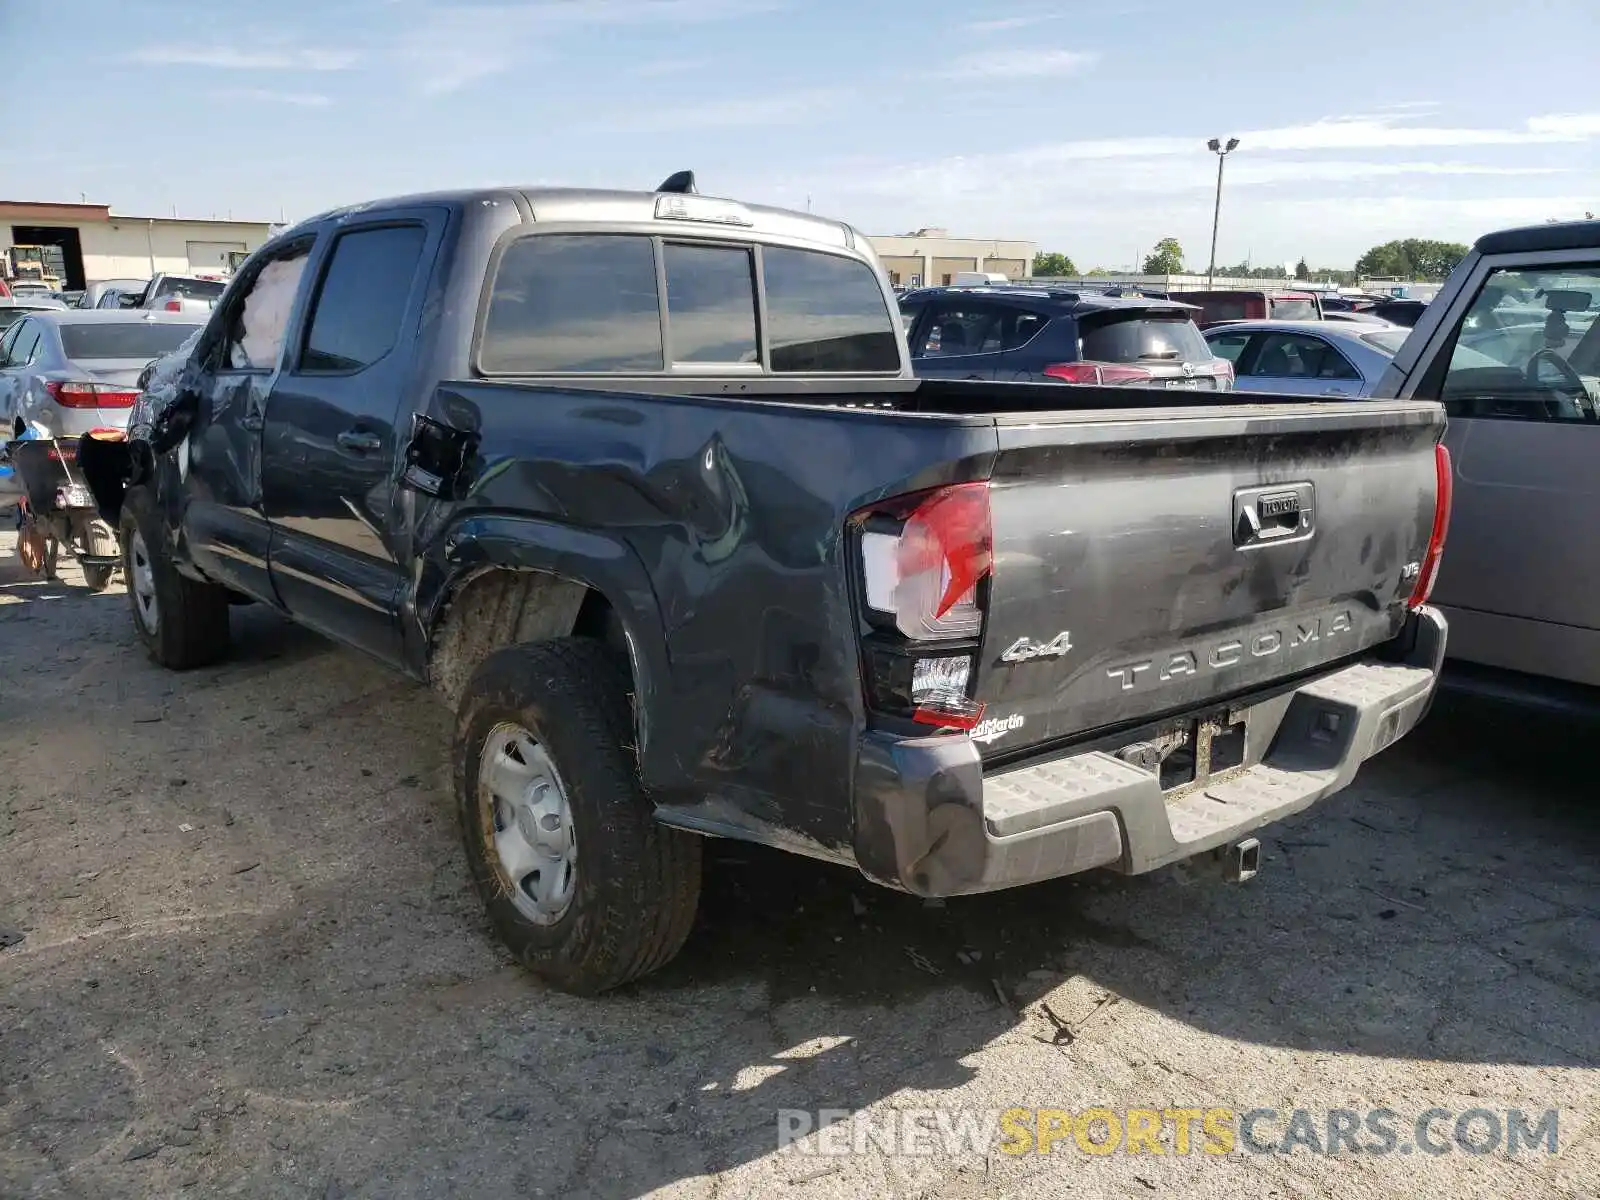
(642, 484)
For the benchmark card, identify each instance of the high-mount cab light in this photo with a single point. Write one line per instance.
(677, 199)
(707, 209)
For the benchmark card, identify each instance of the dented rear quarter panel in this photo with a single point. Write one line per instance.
(716, 529)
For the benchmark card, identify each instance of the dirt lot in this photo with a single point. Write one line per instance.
(244, 960)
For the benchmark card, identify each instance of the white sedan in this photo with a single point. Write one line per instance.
(1306, 358)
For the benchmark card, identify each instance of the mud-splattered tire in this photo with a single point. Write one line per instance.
(182, 623)
(630, 898)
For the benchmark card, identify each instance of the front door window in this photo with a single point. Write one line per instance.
(1528, 348)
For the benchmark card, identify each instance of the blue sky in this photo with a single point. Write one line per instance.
(1079, 125)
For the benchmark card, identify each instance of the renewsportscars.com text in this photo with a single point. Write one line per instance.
(1169, 1130)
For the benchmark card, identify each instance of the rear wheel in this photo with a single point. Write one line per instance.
(97, 576)
(579, 880)
(92, 536)
(182, 623)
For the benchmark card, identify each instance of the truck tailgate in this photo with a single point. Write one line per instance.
(1155, 562)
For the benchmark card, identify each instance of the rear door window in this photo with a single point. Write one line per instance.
(1230, 346)
(574, 303)
(1021, 327)
(27, 343)
(826, 313)
(962, 328)
(1299, 356)
(362, 299)
(711, 304)
(1140, 337)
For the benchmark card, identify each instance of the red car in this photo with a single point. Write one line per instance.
(1218, 306)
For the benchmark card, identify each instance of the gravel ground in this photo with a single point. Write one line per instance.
(242, 959)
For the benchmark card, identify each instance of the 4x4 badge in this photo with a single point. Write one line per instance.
(1026, 649)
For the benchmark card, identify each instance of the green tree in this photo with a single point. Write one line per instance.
(1246, 271)
(1054, 264)
(1302, 269)
(1412, 258)
(1165, 259)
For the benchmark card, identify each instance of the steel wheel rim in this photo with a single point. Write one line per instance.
(528, 824)
(143, 578)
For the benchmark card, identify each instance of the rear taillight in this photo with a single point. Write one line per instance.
(173, 305)
(925, 574)
(90, 395)
(1223, 370)
(924, 562)
(1442, 500)
(1087, 372)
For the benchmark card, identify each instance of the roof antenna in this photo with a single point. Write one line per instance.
(679, 181)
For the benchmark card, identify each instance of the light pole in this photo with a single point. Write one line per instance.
(1221, 149)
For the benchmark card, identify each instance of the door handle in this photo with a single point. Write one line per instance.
(359, 441)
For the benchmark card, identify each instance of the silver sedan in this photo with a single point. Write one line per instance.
(1306, 358)
(68, 371)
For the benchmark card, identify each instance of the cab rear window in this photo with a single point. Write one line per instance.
(827, 313)
(589, 304)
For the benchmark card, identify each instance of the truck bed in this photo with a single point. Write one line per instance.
(1120, 518)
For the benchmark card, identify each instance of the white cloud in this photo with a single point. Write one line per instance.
(1020, 64)
(269, 96)
(741, 113)
(1002, 24)
(1567, 125)
(1090, 162)
(1370, 133)
(670, 66)
(1343, 133)
(447, 49)
(251, 59)
(1328, 188)
(1333, 171)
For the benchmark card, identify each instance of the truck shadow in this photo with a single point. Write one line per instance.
(1397, 926)
(1448, 919)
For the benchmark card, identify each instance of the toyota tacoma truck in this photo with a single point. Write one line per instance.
(642, 483)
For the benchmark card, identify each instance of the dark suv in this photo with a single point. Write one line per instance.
(1035, 335)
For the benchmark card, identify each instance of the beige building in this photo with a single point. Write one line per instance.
(932, 256)
(89, 243)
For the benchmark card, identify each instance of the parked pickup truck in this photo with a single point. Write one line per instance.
(643, 485)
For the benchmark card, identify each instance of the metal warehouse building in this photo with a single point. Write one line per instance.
(94, 244)
(932, 256)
